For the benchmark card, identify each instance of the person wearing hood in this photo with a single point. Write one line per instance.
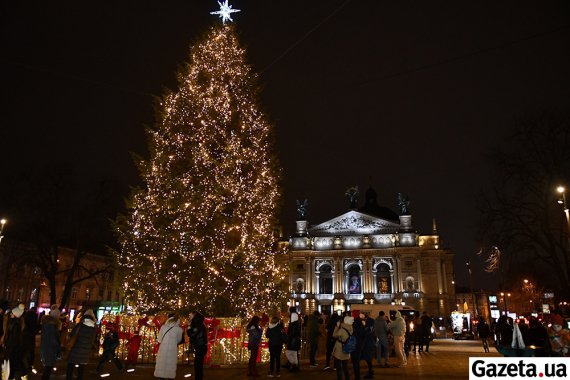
(253, 342)
(199, 342)
(276, 338)
(355, 356)
(31, 329)
(50, 344)
(398, 330)
(169, 336)
(13, 342)
(342, 332)
(559, 336)
(293, 340)
(80, 353)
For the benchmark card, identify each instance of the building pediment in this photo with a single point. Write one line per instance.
(354, 223)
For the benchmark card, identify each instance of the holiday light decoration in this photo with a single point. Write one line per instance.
(225, 11)
(199, 234)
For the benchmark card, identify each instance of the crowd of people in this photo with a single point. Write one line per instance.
(537, 337)
(350, 337)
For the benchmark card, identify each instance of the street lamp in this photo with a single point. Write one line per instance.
(2, 224)
(562, 200)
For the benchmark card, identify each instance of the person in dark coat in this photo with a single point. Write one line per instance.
(199, 342)
(484, 332)
(331, 325)
(13, 342)
(504, 331)
(275, 335)
(381, 331)
(31, 329)
(110, 344)
(537, 336)
(355, 356)
(50, 345)
(293, 340)
(368, 345)
(81, 351)
(425, 331)
(313, 333)
(253, 342)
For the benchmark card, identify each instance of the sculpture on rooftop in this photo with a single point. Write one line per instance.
(404, 204)
(352, 194)
(302, 209)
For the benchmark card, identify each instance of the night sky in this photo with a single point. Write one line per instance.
(401, 96)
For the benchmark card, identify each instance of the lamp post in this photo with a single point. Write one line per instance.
(562, 200)
(473, 296)
(2, 224)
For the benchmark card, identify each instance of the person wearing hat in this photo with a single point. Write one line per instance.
(559, 336)
(50, 343)
(14, 348)
(81, 340)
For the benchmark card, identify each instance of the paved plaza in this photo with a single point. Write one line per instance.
(447, 359)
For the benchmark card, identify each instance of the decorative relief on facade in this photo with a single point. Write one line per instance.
(377, 261)
(320, 263)
(349, 263)
(355, 223)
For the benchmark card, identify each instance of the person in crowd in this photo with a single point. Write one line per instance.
(408, 335)
(425, 332)
(331, 325)
(276, 337)
(13, 342)
(356, 355)
(169, 336)
(398, 331)
(537, 336)
(198, 336)
(381, 331)
(50, 345)
(559, 336)
(313, 336)
(31, 329)
(484, 333)
(65, 327)
(110, 344)
(293, 340)
(504, 331)
(253, 342)
(416, 334)
(343, 330)
(83, 334)
(368, 346)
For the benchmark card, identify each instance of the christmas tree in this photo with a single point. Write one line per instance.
(199, 234)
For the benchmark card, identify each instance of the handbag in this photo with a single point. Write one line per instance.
(71, 342)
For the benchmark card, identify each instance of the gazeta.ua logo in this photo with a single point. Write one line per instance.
(518, 368)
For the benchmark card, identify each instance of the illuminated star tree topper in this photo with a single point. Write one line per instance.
(225, 11)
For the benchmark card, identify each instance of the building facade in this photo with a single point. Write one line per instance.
(369, 255)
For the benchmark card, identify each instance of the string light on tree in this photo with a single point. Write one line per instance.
(200, 231)
(225, 11)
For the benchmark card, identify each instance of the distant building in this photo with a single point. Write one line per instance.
(369, 255)
(22, 282)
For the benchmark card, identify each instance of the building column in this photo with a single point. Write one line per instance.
(420, 283)
(444, 277)
(439, 285)
(308, 276)
(398, 275)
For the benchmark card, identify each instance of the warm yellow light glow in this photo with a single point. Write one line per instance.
(561, 189)
(3, 221)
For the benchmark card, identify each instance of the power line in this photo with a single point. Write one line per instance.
(294, 45)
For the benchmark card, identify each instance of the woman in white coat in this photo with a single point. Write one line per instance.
(169, 336)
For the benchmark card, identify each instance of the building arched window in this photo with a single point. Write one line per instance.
(410, 284)
(354, 280)
(325, 280)
(384, 278)
(300, 286)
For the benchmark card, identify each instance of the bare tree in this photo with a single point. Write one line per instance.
(519, 212)
(50, 210)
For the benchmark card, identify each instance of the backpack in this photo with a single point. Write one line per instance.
(349, 345)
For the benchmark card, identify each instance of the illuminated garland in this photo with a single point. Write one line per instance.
(199, 234)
